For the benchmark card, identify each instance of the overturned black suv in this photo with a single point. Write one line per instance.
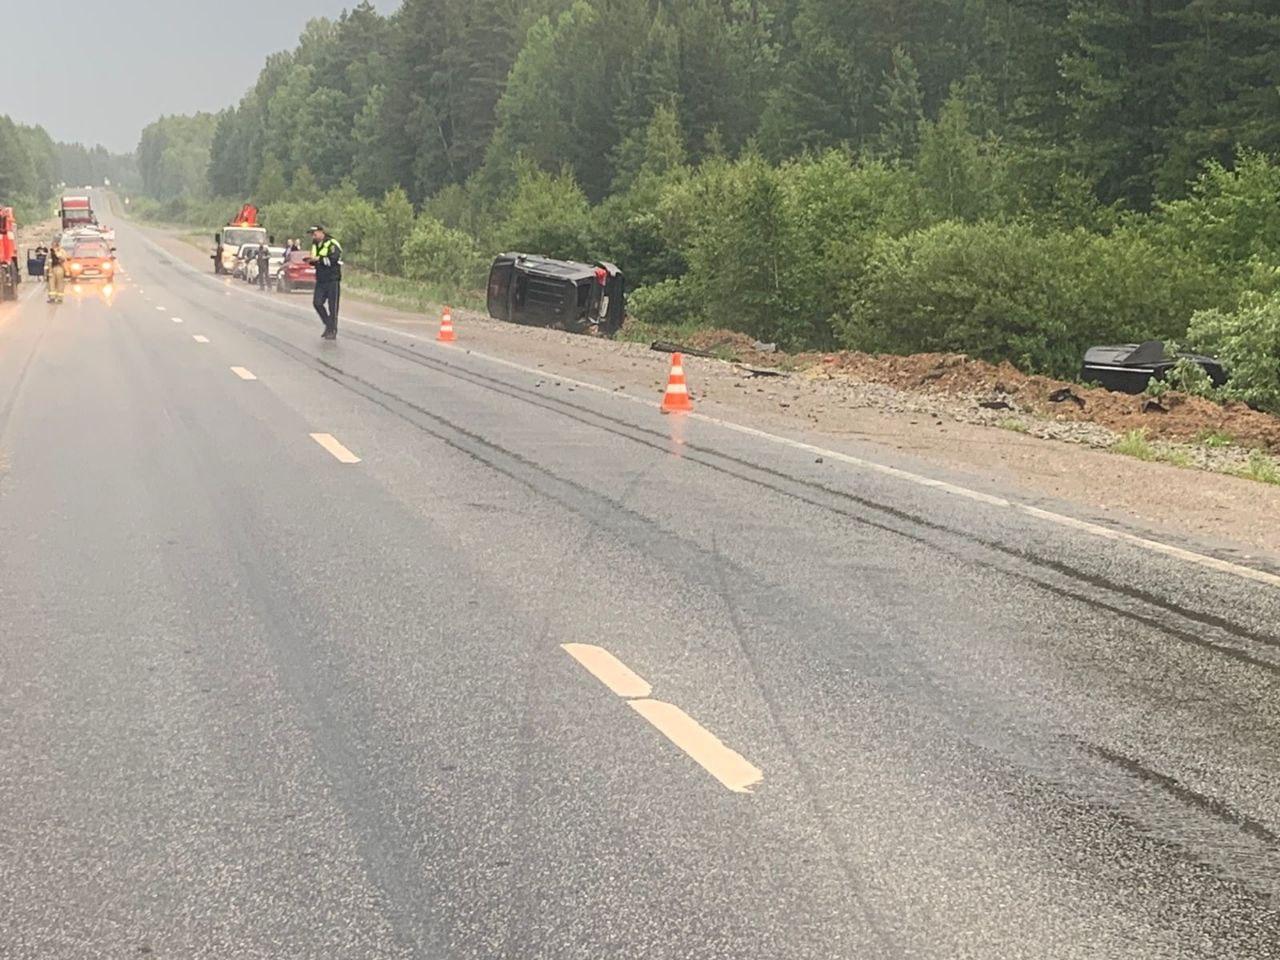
(539, 291)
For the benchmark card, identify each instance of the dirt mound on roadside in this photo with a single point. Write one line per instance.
(1173, 416)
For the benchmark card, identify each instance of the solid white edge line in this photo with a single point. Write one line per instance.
(1060, 519)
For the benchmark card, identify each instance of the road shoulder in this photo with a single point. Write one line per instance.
(1233, 515)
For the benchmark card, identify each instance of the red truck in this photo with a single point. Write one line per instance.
(77, 212)
(10, 276)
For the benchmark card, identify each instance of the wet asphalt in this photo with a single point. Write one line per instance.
(256, 702)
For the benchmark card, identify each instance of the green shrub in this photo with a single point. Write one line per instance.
(1156, 388)
(1189, 377)
(996, 292)
(1214, 438)
(772, 251)
(1247, 340)
(1261, 468)
(666, 303)
(547, 215)
(1010, 292)
(628, 229)
(443, 256)
(289, 219)
(1230, 217)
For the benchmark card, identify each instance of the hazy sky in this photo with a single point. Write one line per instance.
(98, 71)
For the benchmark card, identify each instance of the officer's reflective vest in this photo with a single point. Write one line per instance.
(327, 250)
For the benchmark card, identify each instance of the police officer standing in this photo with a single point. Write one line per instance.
(326, 257)
(264, 264)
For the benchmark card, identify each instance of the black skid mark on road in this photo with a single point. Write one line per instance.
(1193, 798)
(660, 442)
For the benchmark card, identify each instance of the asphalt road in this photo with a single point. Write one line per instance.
(546, 675)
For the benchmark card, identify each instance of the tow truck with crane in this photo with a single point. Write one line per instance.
(241, 229)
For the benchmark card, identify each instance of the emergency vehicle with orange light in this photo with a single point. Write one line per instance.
(241, 229)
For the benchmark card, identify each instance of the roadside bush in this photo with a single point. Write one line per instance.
(288, 219)
(447, 257)
(774, 251)
(1247, 340)
(665, 303)
(731, 223)
(1008, 292)
(1189, 377)
(204, 213)
(989, 291)
(354, 223)
(835, 207)
(31, 211)
(1230, 216)
(393, 226)
(548, 214)
(627, 229)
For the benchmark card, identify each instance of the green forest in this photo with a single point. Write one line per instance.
(29, 169)
(32, 165)
(1014, 179)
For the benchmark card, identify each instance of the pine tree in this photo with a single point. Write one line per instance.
(901, 109)
(1117, 93)
(1225, 70)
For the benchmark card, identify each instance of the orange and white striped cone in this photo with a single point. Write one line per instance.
(446, 334)
(676, 399)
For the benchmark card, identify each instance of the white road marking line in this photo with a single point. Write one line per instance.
(243, 374)
(340, 453)
(609, 670)
(177, 319)
(728, 766)
(162, 309)
(199, 339)
(1059, 519)
(735, 771)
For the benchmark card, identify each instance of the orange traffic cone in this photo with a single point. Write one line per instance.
(446, 334)
(676, 399)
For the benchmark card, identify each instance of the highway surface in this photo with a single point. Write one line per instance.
(382, 649)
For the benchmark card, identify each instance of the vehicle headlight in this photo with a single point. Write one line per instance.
(108, 266)
(75, 268)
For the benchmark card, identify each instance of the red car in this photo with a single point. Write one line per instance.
(295, 273)
(91, 260)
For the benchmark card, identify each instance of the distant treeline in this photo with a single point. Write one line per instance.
(32, 165)
(1013, 178)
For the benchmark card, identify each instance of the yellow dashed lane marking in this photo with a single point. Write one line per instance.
(726, 765)
(340, 453)
(609, 670)
(734, 771)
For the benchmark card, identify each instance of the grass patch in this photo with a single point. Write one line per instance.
(399, 293)
(414, 296)
(1134, 444)
(1179, 458)
(1261, 468)
(1214, 438)
(638, 331)
(1012, 423)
